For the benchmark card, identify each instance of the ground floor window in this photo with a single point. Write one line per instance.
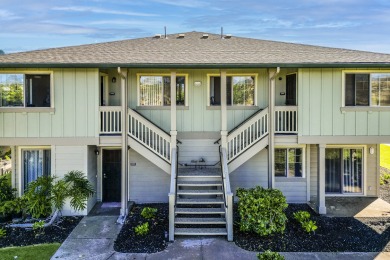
(36, 163)
(344, 170)
(288, 162)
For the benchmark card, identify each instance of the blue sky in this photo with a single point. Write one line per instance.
(353, 24)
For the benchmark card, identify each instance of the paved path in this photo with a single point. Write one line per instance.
(94, 239)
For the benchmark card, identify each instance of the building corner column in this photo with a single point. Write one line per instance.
(124, 152)
(224, 131)
(321, 207)
(173, 131)
(271, 126)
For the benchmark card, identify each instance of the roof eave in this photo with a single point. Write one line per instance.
(196, 65)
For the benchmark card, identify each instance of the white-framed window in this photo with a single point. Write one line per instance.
(240, 90)
(25, 89)
(289, 162)
(35, 162)
(344, 170)
(155, 90)
(367, 89)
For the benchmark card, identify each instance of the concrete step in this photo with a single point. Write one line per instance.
(201, 231)
(199, 183)
(199, 221)
(200, 201)
(198, 175)
(200, 211)
(199, 192)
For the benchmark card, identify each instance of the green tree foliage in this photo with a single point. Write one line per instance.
(2, 52)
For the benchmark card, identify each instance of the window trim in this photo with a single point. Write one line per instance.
(185, 75)
(25, 109)
(20, 171)
(365, 153)
(303, 147)
(345, 108)
(209, 75)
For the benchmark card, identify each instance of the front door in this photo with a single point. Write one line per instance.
(291, 90)
(111, 175)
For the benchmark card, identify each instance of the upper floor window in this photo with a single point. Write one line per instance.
(288, 162)
(367, 89)
(240, 90)
(156, 90)
(24, 90)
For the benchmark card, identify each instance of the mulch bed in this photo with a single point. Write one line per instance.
(157, 238)
(333, 235)
(55, 233)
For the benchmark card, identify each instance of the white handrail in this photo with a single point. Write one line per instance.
(286, 119)
(172, 196)
(110, 120)
(246, 135)
(149, 135)
(228, 195)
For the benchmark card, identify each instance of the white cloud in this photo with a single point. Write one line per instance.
(99, 11)
(6, 15)
(183, 3)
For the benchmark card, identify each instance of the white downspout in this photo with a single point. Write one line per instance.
(271, 130)
(124, 161)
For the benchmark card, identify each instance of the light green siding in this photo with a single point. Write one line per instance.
(197, 117)
(76, 97)
(320, 103)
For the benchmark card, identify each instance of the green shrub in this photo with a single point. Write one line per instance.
(269, 255)
(148, 212)
(6, 190)
(38, 195)
(15, 206)
(261, 210)
(38, 227)
(142, 229)
(384, 178)
(3, 232)
(79, 189)
(303, 217)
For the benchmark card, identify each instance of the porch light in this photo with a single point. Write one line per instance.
(113, 80)
(372, 150)
(97, 151)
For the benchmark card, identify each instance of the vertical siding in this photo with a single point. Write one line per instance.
(294, 190)
(194, 149)
(68, 158)
(313, 171)
(320, 99)
(147, 182)
(76, 97)
(372, 175)
(197, 117)
(92, 175)
(252, 173)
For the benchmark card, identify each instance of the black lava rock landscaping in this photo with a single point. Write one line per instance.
(341, 234)
(56, 233)
(157, 238)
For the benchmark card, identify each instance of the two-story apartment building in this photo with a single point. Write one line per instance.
(196, 116)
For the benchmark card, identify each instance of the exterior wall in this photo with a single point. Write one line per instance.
(371, 172)
(252, 173)
(76, 97)
(92, 175)
(320, 96)
(194, 149)
(197, 116)
(147, 182)
(293, 188)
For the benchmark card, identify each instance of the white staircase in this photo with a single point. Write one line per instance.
(200, 204)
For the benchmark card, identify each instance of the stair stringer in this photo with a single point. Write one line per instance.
(152, 157)
(249, 153)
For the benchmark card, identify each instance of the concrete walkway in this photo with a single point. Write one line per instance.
(94, 239)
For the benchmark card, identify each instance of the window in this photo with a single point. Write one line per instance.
(36, 163)
(288, 162)
(24, 90)
(343, 170)
(240, 91)
(156, 90)
(367, 89)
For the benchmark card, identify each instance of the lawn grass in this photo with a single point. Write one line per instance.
(385, 156)
(40, 252)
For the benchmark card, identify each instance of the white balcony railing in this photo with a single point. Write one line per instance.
(286, 120)
(243, 137)
(110, 120)
(149, 135)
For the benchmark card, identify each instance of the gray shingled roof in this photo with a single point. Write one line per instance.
(194, 50)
